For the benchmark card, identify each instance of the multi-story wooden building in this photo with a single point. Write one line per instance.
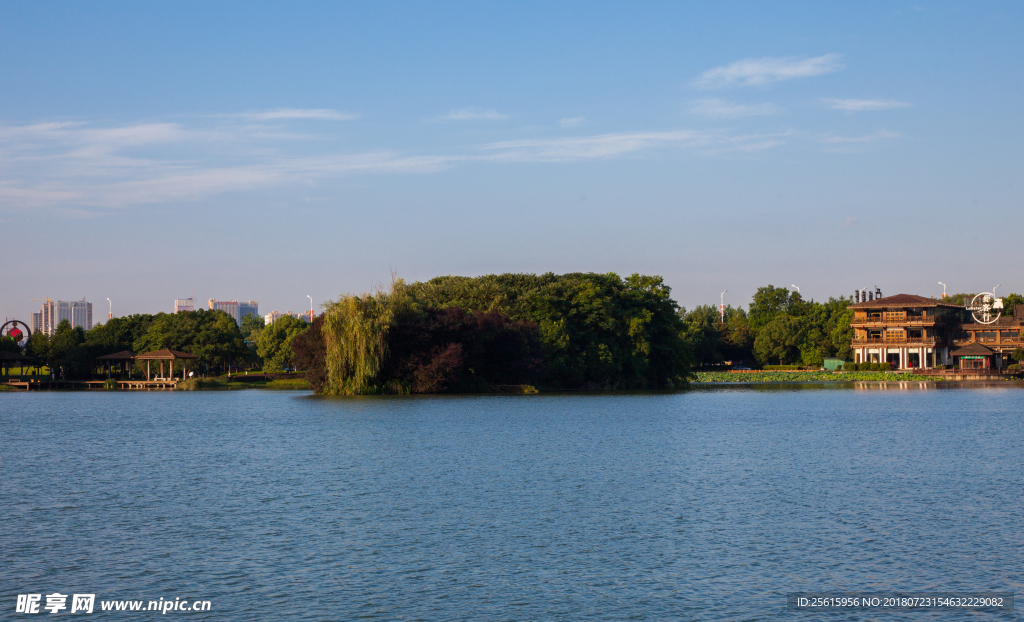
(979, 345)
(905, 330)
(914, 332)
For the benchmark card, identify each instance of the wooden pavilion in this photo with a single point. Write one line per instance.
(166, 355)
(974, 356)
(11, 358)
(123, 359)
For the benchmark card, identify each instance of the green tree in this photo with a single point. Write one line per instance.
(8, 344)
(212, 336)
(118, 334)
(596, 329)
(769, 302)
(66, 353)
(780, 339)
(1010, 302)
(704, 333)
(275, 342)
(38, 346)
(252, 326)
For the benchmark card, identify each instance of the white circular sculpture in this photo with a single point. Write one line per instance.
(986, 308)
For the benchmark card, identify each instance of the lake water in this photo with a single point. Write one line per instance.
(711, 504)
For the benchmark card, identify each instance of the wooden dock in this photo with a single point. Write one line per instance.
(55, 385)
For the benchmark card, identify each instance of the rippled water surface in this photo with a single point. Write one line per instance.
(711, 504)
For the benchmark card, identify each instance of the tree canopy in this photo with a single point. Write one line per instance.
(212, 336)
(274, 343)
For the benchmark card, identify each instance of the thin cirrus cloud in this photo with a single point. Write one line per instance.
(472, 114)
(574, 149)
(761, 71)
(83, 168)
(290, 114)
(866, 138)
(572, 121)
(864, 105)
(726, 109)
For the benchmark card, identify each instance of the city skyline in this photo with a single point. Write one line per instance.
(725, 146)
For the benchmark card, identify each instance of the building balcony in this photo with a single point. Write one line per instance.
(909, 321)
(902, 341)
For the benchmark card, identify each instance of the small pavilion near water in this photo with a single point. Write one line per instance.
(7, 359)
(166, 355)
(974, 356)
(122, 359)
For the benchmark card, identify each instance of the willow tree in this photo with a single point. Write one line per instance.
(355, 333)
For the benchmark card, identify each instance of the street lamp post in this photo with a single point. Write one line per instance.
(943, 288)
(796, 288)
(721, 307)
(994, 290)
(310, 308)
(110, 311)
(73, 305)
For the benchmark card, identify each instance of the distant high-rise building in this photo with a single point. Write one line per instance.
(248, 308)
(237, 310)
(37, 322)
(184, 304)
(269, 318)
(77, 313)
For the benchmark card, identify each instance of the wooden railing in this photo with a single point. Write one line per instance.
(927, 341)
(879, 320)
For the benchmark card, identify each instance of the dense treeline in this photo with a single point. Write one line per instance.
(468, 334)
(463, 334)
(778, 328)
(212, 336)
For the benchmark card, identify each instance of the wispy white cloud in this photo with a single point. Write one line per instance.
(759, 71)
(283, 114)
(586, 147)
(727, 109)
(572, 121)
(473, 114)
(861, 105)
(867, 138)
(620, 144)
(71, 166)
(65, 164)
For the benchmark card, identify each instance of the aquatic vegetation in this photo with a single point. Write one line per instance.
(812, 376)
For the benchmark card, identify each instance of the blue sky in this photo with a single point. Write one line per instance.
(149, 151)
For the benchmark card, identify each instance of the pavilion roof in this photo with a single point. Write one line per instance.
(902, 300)
(123, 355)
(164, 354)
(973, 349)
(14, 357)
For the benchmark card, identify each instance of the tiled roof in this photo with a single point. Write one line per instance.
(973, 349)
(123, 355)
(902, 300)
(165, 354)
